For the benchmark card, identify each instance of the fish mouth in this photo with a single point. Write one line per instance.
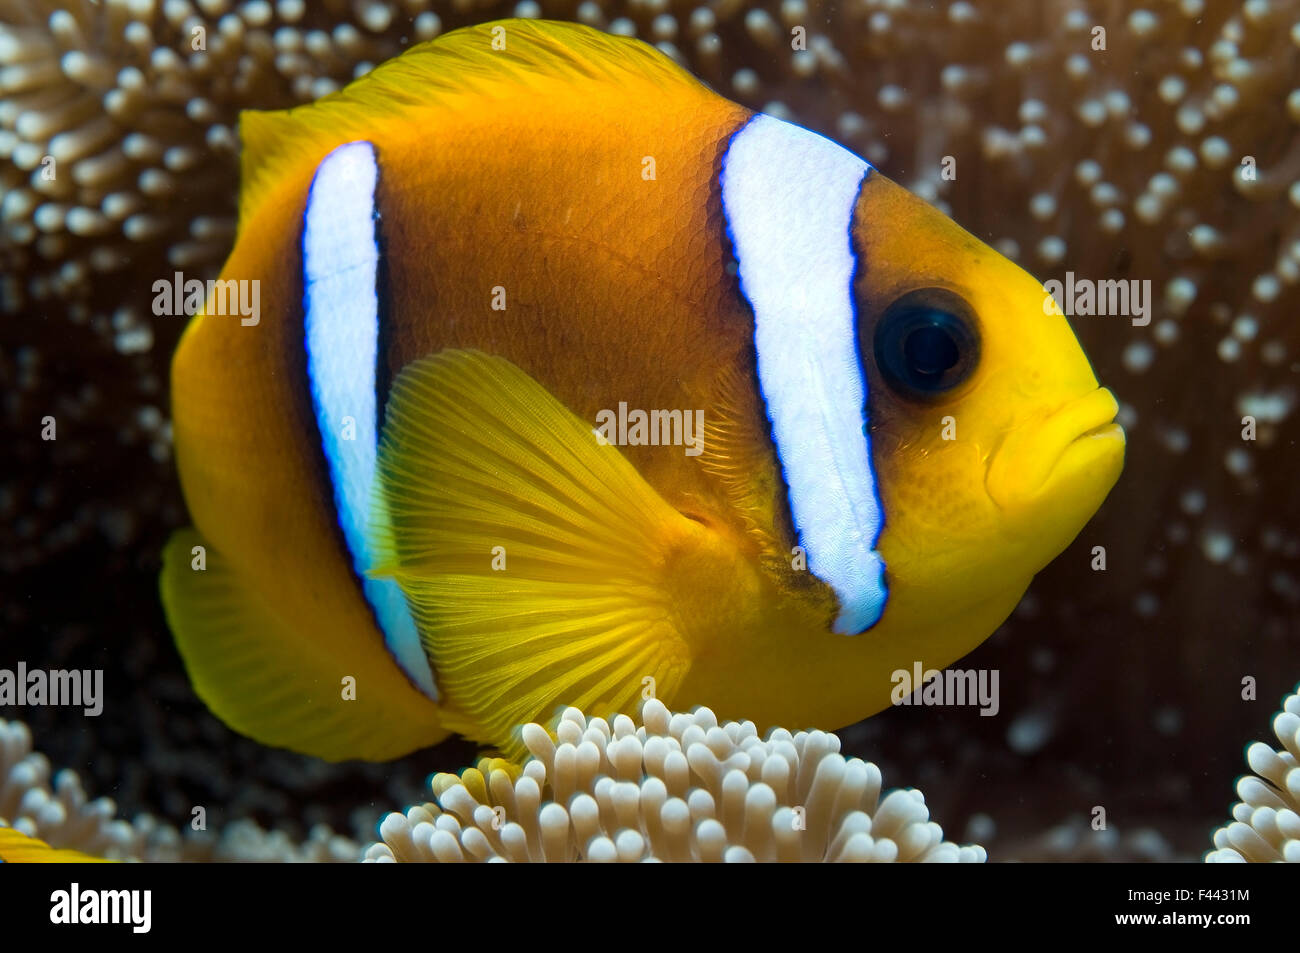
(1077, 448)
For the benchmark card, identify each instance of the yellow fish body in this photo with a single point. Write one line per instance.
(574, 382)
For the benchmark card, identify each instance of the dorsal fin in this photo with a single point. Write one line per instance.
(461, 68)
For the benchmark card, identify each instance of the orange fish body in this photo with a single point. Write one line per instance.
(556, 246)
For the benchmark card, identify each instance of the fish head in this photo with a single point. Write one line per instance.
(993, 442)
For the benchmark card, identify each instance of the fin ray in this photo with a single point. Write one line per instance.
(584, 608)
(17, 848)
(266, 679)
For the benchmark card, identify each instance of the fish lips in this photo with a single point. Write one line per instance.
(1067, 463)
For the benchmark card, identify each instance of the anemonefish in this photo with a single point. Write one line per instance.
(576, 383)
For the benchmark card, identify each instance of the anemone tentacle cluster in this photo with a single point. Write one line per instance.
(115, 117)
(678, 787)
(57, 811)
(1266, 821)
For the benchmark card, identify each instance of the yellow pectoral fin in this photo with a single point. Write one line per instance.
(17, 848)
(269, 679)
(542, 568)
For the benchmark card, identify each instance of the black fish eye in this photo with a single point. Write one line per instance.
(926, 343)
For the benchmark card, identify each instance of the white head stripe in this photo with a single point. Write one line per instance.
(788, 196)
(341, 305)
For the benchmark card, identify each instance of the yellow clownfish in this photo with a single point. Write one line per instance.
(575, 382)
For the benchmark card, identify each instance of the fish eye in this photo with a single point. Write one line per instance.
(926, 343)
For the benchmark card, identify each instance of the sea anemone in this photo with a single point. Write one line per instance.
(61, 815)
(678, 787)
(1266, 821)
(115, 117)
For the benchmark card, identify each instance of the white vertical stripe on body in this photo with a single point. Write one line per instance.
(341, 304)
(788, 196)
